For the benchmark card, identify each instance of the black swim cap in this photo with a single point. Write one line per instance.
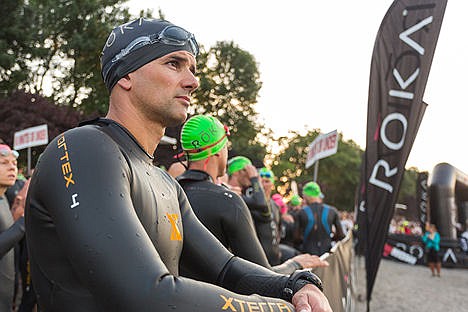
(134, 44)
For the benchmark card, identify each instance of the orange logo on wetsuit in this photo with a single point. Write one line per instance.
(175, 233)
(252, 306)
(66, 165)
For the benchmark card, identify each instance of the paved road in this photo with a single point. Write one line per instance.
(404, 287)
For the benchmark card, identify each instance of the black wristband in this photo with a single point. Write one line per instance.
(299, 279)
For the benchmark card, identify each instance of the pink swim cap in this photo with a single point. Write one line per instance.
(279, 201)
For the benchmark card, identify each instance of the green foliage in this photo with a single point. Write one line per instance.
(23, 110)
(290, 163)
(51, 48)
(408, 185)
(58, 42)
(59, 46)
(229, 86)
(16, 41)
(338, 175)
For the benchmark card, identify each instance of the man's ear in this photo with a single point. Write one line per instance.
(125, 82)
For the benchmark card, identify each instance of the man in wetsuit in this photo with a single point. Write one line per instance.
(11, 227)
(223, 212)
(289, 220)
(107, 230)
(267, 181)
(244, 175)
(316, 222)
(267, 178)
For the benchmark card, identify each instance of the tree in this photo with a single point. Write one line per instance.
(408, 184)
(22, 110)
(229, 86)
(60, 49)
(16, 41)
(61, 53)
(289, 163)
(338, 174)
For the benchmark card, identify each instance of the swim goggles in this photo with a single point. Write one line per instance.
(171, 35)
(267, 175)
(4, 151)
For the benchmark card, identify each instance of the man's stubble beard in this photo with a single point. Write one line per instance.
(164, 118)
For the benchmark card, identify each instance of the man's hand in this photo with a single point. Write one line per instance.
(310, 299)
(251, 171)
(308, 261)
(17, 208)
(287, 218)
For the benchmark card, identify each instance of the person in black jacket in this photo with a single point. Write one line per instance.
(221, 210)
(109, 231)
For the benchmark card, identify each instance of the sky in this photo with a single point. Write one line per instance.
(314, 61)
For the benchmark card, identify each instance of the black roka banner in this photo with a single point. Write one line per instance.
(422, 198)
(400, 66)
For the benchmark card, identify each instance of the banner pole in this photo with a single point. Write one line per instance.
(316, 170)
(29, 161)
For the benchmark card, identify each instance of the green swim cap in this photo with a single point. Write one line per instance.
(267, 173)
(203, 136)
(295, 200)
(237, 163)
(312, 189)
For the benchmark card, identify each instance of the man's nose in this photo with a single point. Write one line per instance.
(191, 82)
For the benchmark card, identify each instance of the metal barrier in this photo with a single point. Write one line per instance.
(337, 277)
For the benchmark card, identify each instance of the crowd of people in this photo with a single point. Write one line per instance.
(118, 233)
(400, 225)
(234, 200)
(99, 227)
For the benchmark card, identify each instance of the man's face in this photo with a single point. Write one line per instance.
(267, 186)
(8, 170)
(223, 157)
(243, 178)
(295, 208)
(162, 88)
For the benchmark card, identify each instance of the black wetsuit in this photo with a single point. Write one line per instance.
(288, 237)
(28, 295)
(10, 233)
(264, 221)
(315, 227)
(276, 224)
(226, 215)
(289, 230)
(106, 230)
(279, 228)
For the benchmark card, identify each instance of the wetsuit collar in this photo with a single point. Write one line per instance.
(105, 121)
(195, 175)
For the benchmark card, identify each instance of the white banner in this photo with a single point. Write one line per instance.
(30, 137)
(323, 146)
